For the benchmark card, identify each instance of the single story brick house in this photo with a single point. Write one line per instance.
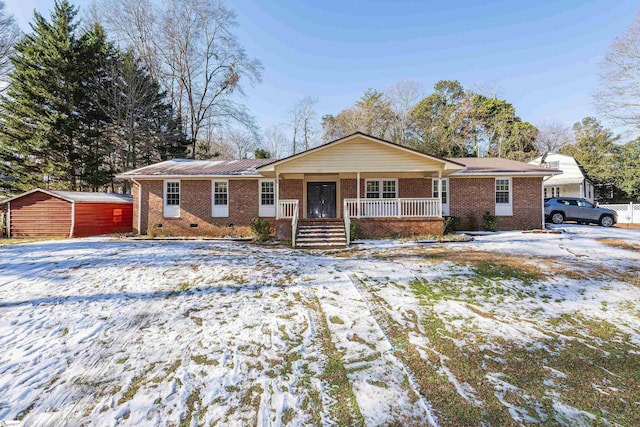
(388, 189)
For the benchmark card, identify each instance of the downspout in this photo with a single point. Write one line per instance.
(73, 218)
(139, 204)
(542, 199)
(8, 220)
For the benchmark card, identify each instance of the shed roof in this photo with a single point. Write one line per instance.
(80, 196)
(199, 168)
(496, 165)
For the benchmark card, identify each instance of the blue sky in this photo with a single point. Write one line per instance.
(542, 55)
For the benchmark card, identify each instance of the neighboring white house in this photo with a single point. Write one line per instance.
(573, 182)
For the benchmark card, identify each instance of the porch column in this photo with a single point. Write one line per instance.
(277, 197)
(440, 193)
(358, 195)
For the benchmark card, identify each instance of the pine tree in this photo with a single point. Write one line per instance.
(49, 118)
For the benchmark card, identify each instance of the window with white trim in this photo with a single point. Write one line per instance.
(504, 206)
(220, 199)
(171, 199)
(381, 188)
(267, 198)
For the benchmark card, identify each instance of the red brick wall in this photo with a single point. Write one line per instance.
(371, 228)
(292, 189)
(470, 198)
(195, 208)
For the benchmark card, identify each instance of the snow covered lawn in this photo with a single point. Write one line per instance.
(509, 329)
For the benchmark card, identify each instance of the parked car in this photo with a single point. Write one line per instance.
(561, 209)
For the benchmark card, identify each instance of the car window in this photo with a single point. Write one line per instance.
(584, 204)
(572, 202)
(563, 202)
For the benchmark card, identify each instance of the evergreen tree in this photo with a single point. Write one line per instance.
(49, 120)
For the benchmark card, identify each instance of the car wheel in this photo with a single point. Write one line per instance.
(606, 221)
(557, 217)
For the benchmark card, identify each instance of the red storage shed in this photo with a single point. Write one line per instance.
(53, 213)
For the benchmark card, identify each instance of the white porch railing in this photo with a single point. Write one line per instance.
(294, 225)
(347, 223)
(287, 208)
(390, 208)
(290, 209)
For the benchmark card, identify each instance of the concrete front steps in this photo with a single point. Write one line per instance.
(321, 234)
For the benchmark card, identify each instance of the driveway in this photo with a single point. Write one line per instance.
(510, 328)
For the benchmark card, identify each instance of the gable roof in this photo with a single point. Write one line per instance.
(572, 170)
(180, 168)
(481, 166)
(450, 163)
(79, 196)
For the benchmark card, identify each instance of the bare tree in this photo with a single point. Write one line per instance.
(9, 35)
(303, 122)
(275, 141)
(402, 98)
(553, 136)
(189, 46)
(618, 96)
(238, 142)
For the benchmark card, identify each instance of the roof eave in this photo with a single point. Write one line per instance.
(531, 174)
(207, 176)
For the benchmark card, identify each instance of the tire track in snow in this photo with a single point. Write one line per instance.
(431, 418)
(375, 373)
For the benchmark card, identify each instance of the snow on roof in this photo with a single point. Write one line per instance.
(492, 165)
(188, 167)
(86, 197)
(79, 196)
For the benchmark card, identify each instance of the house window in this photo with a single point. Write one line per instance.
(373, 190)
(504, 206)
(552, 165)
(220, 199)
(267, 198)
(555, 191)
(381, 188)
(171, 199)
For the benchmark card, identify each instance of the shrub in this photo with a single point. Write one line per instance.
(354, 231)
(451, 224)
(489, 221)
(260, 229)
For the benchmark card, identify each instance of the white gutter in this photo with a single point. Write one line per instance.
(139, 204)
(209, 176)
(471, 175)
(73, 218)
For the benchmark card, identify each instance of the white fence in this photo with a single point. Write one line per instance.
(400, 208)
(627, 213)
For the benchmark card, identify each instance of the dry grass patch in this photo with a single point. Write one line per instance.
(619, 243)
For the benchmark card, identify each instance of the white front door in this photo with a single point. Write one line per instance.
(442, 193)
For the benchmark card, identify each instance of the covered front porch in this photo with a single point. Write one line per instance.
(389, 190)
(400, 204)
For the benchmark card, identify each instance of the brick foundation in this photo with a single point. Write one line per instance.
(373, 228)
